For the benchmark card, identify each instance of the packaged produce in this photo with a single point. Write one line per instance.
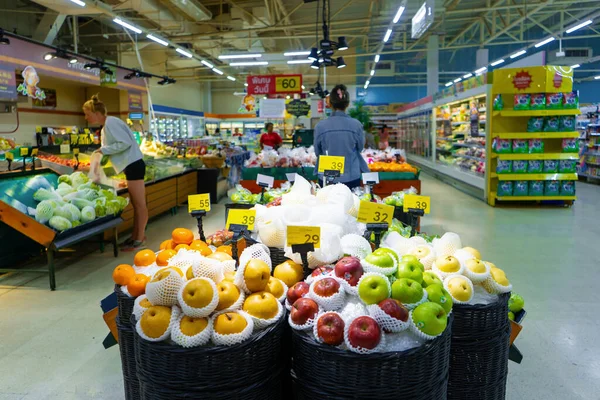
(554, 101)
(498, 103)
(522, 101)
(504, 167)
(567, 123)
(538, 101)
(535, 124)
(502, 146)
(567, 188)
(535, 166)
(519, 166)
(505, 188)
(536, 188)
(520, 146)
(567, 166)
(520, 188)
(552, 124)
(570, 146)
(397, 198)
(536, 146)
(552, 188)
(571, 100)
(550, 166)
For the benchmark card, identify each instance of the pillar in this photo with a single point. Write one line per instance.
(433, 57)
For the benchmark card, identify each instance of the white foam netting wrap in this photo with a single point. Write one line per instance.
(300, 193)
(199, 339)
(338, 194)
(272, 232)
(256, 251)
(329, 252)
(386, 321)
(198, 312)
(447, 244)
(175, 312)
(138, 308)
(234, 338)
(363, 350)
(164, 292)
(398, 243)
(355, 245)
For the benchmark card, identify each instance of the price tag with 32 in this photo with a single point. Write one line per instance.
(374, 213)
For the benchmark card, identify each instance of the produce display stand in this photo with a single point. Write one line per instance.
(17, 194)
(126, 332)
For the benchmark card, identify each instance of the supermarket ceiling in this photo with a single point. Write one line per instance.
(208, 29)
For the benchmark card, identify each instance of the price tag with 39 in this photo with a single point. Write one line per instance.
(374, 213)
(199, 202)
(419, 202)
(331, 163)
(241, 217)
(304, 235)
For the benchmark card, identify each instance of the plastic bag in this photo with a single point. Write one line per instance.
(96, 173)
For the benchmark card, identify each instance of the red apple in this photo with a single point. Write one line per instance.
(297, 291)
(324, 270)
(330, 328)
(394, 309)
(303, 309)
(364, 332)
(349, 269)
(326, 287)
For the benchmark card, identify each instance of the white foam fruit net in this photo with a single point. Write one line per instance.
(234, 338)
(256, 251)
(447, 244)
(198, 312)
(355, 206)
(362, 350)
(414, 328)
(199, 339)
(398, 243)
(386, 321)
(260, 323)
(338, 194)
(138, 309)
(315, 331)
(164, 292)
(175, 312)
(331, 303)
(300, 193)
(272, 232)
(428, 260)
(355, 245)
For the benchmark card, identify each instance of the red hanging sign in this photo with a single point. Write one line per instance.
(522, 80)
(274, 84)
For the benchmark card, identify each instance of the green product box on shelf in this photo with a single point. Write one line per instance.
(520, 188)
(519, 166)
(505, 188)
(536, 188)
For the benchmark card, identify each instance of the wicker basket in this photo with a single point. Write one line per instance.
(480, 320)
(328, 372)
(125, 304)
(213, 162)
(277, 256)
(212, 368)
(127, 349)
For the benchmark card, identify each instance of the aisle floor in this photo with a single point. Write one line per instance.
(51, 342)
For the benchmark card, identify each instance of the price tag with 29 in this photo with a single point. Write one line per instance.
(304, 235)
(199, 202)
(374, 213)
(241, 217)
(419, 202)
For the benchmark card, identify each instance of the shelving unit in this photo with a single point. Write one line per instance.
(589, 166)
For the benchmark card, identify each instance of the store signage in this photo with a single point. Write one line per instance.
(298, 108)
(522, 80)
(24, 151)
(9, 156)
(8, 85)
(375, 213)
(304, 235)
(29, 85)
(272, 108)
(136, 116)
(274, 84)
(537, 79)
(49, 102)
(331, 163)
(241, 217)
(418, 202)
(423, 19)
(199, 202)
(135, 101)
(370, 178)
(248, 104)
(265, 180)
(108, 79)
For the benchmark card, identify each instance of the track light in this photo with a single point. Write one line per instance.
(73, 60)
(315, 65)
(129, 76)
(50, 56)
(60, 54)
(107, 70)
(93, 65)
(340, 62)
(4, 40)
(166, 81)
(314, 54)
(342, 43)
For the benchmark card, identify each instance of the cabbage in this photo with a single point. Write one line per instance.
(88, 214)
(60, 223)
(63, 185)
(80, 203)
(112, 207)
(64, 178)
(100, 201)
(78, 178)
(62, 212)
(100, 210)
(74, 211)
(87, 194)
(122, 202)
(109, 194)
(63, 192)
(89, 185)
(44, 194)
(75, 223)
(44, 211)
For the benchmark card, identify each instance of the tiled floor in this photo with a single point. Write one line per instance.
(51, 342)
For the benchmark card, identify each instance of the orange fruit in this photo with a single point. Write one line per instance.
(182, 246)
(182, 236)
(123, 274)
(162, 259)
(225, 249)
(167, 244)
(137, 285)
(206, 251)
(143, 258)
(220, 256)
(198, 245)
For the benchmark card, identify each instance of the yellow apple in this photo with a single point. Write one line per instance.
(492, 265)
(476, 266)
(499, 276)
(230, 323)
(156, 321)
(161, 275)
(189, 274)
(261, 305)
(229, 276)
(448, 264)
(192, 326)
(275, 287)
(228, 294)
(256, 275)
(459, 288)
(219, 256)
(289, 272)
(421, 251)
(198, 293)
(474, 252)
(145, 303)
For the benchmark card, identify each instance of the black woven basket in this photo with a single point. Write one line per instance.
(479, 367)
(127, 349)
(479, 320)
(277, 256)
(402, 216)
(211, 368)
(125, 304)
(236, 207)
(392, 375)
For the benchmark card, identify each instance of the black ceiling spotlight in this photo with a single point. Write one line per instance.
(93, 65)
(4, 40)
(315, 65)
(342, 44)
(60, 54)
(323, 56)
(166, 81)
(136, 73)
(314, 54)
(340, 62)
(131, 75)
(107, 70)
(50, 56)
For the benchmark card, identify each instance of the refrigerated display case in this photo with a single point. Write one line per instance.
(171, 124)
(414, 133)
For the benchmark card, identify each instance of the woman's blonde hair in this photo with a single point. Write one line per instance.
(95, 105)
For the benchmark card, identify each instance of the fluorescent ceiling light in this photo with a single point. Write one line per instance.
(388, 33)
(207, 64)
(543, 42)
(467, 75)
(245, 84)
(124, 24)
(321, 60)
(218, 71)
(497, 62)
(184, 53)
(581, 25)
(231, 78)
(296, 53)
(597, 77)
(518, 53)
(232, 56)
(457, 80)
(448, 84)
(78, 2)
(377, 57)
(480, 70)
(307, 61)
(399, 14)
(303, 87)
(372, 72)
(248, 63)
(367, 84)
(575, 66)
(157, 39)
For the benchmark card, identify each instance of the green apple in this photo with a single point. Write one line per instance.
(437, 294)
(381, 259)
(430, 278)
(385, 250)
(430, 318)
(511, 315)
(373, 288)
(410, 269)
(515, 303)
(412, 258)
(407, 291)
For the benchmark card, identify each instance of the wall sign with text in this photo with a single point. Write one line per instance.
(274, 84)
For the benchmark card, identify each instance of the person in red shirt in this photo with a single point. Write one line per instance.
(270, 138)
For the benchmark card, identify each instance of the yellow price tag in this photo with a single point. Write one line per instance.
(419, 202)
(24, 151)
(75, 151)
(38, 129)
(9, 156)
(241, 217)
(331, 163)
(199, 202)
(304, 235)
(374, 213)
(290, 83)
(65, 149)
(34, 152)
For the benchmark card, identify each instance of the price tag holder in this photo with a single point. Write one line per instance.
(291, 177)
(65, 149)
(304, 235)
(370, 178)
(418, 202)
(199, 202)
(9, 156)
(374, 213)
(24, 151)
(75, 151)
(265, 181)
(241, 217)
(34, 152)
(331, 163)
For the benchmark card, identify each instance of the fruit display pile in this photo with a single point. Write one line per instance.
(272, 197)
(389, 155)
(71, 162)
(6, 144)
(392, 167)
(191, 294)
(283, 157)
(75, 201)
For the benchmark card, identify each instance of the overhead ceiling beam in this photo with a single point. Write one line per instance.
(478, 20)
(48, 27)
(289, 14)
(515, 23)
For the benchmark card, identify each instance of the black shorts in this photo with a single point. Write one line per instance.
(135, 171)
